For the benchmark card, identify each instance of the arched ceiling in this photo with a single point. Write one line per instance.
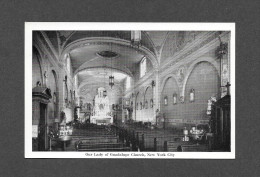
(87, 57)
(83, 48)
(100, 75)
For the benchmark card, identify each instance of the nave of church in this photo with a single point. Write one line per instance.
(166, 91)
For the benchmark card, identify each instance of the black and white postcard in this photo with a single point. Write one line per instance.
(130, 90)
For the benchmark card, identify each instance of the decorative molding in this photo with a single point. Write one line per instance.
(181, 55)
(107, 40)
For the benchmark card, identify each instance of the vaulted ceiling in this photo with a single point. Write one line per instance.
(95, 55)
(83, 47)
(85, 50)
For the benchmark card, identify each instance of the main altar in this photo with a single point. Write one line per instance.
(101, 114)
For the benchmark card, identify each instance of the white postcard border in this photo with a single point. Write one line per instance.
(31, 26)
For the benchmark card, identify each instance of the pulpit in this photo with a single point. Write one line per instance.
(40, 99)
(220, 124)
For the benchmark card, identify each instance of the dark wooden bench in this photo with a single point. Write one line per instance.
(156, 142)
(94, 136)
(98, 140)
(100, 145)
(107, 149)
(195, 148)
(174, 146)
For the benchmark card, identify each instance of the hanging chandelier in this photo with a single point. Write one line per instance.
(111, 77)
(136, 39)
(111, 81)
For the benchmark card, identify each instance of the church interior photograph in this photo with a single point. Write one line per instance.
(143, 91)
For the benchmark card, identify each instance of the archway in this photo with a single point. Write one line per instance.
(168, 107)
(36, 69)
(204, 82)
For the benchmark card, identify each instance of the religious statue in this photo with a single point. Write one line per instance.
(62, 118)
(46, 75)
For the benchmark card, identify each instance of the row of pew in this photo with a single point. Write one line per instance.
(156, 140)
(98, 139)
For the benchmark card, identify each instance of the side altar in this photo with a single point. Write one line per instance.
(101, 114)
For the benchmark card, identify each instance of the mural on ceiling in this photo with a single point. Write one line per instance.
(176, 41)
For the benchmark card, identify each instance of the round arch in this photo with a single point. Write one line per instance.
(38, 56)
(193, 65)
(81, 42)
(145, 90)
(165, 80)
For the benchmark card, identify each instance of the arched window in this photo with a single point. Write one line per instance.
(174, 98)
(165, 100)
(143, 67)
(128, 82)
(68, 63)
(192, 95)
(151, 103)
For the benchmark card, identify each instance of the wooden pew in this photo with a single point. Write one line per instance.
(98, 140)
(101, 145)
(156, 143)
(107, 149)
(174, 146)
(86, 147)
(195, 148)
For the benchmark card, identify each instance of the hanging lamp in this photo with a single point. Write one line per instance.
(111, 77)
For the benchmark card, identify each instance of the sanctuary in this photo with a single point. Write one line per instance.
(101, 112)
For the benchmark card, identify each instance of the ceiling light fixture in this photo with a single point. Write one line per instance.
(111, 77)
(136, 39)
